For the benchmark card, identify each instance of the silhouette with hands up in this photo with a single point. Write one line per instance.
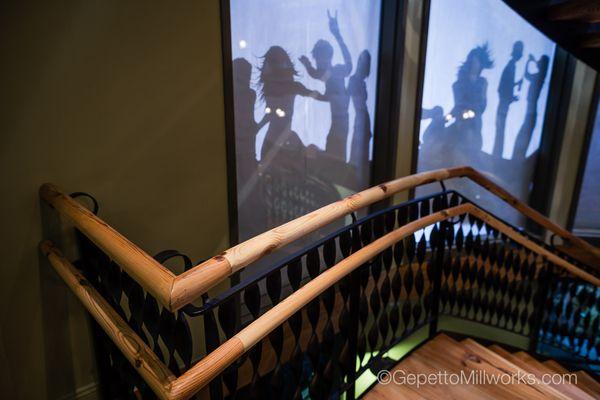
(507, 96)
(335, 87)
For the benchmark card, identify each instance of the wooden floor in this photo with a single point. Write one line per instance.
(469, 358)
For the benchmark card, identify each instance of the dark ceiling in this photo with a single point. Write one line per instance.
(573, 24)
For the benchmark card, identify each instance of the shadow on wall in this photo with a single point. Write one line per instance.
(455, 138)
(292, 179)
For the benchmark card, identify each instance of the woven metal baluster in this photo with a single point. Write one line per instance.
(253, 304)
(228, 317)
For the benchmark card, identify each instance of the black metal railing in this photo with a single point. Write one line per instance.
(462, 269)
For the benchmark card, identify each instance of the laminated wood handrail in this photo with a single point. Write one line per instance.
(175, 291)
(169, 387)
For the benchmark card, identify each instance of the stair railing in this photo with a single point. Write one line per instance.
(175, 291)
(370, 286)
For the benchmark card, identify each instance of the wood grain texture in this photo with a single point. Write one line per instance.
(153, 276)
(587, 383)
(443, 354)
(535, 367)
(154, 372)
(206, 369)
(531, 365)
(209, 367)
(517, 237)
(532, 214)
(164, 384)
(175, 292)
(484, 355)
(262, 326)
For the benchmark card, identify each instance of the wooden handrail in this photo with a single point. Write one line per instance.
(167, 386)
(175, 291)
(148, 365)
(149, 273)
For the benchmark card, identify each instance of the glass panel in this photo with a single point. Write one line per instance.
(304, 101)
(485, 88)
(587, 217)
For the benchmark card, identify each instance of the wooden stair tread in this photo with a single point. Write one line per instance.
(445, 354)
(584, 380)
(455, 358)
(509, 366)
(469, 358)
(538, 369)
(392, 392)
(531, 365)
(419, 362)
(556, 367)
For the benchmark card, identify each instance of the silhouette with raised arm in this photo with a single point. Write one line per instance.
(335, 87)
(470, 100)
(506, 93)
(278, 89)
(357, 90)
(536, 82)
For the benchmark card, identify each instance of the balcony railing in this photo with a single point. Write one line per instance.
(317, 323)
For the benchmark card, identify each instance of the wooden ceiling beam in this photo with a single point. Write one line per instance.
(583, 10)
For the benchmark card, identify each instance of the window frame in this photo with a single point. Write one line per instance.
(589, 132)
(387, 105)
(553, 123)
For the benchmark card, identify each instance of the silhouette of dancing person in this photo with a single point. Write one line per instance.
(335, 87)
(278, 89)
(357, 90)
(507, 96)
(536, 82)
(246, 129)
(470, 100)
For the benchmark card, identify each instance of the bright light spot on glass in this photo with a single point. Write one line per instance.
(280, 113)
(268, 110)
(449, 117)
(468, 114)
(243, 44)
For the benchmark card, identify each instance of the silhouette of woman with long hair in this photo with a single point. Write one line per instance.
(336, 94)
(278, 89)
(470, 100)
(357, 89)
(536, 82)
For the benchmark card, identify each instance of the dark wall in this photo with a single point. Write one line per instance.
(120, 99)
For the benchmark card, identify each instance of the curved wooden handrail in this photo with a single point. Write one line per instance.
(167, 386)
(175, 291)
(149, 273)
(148, 365)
